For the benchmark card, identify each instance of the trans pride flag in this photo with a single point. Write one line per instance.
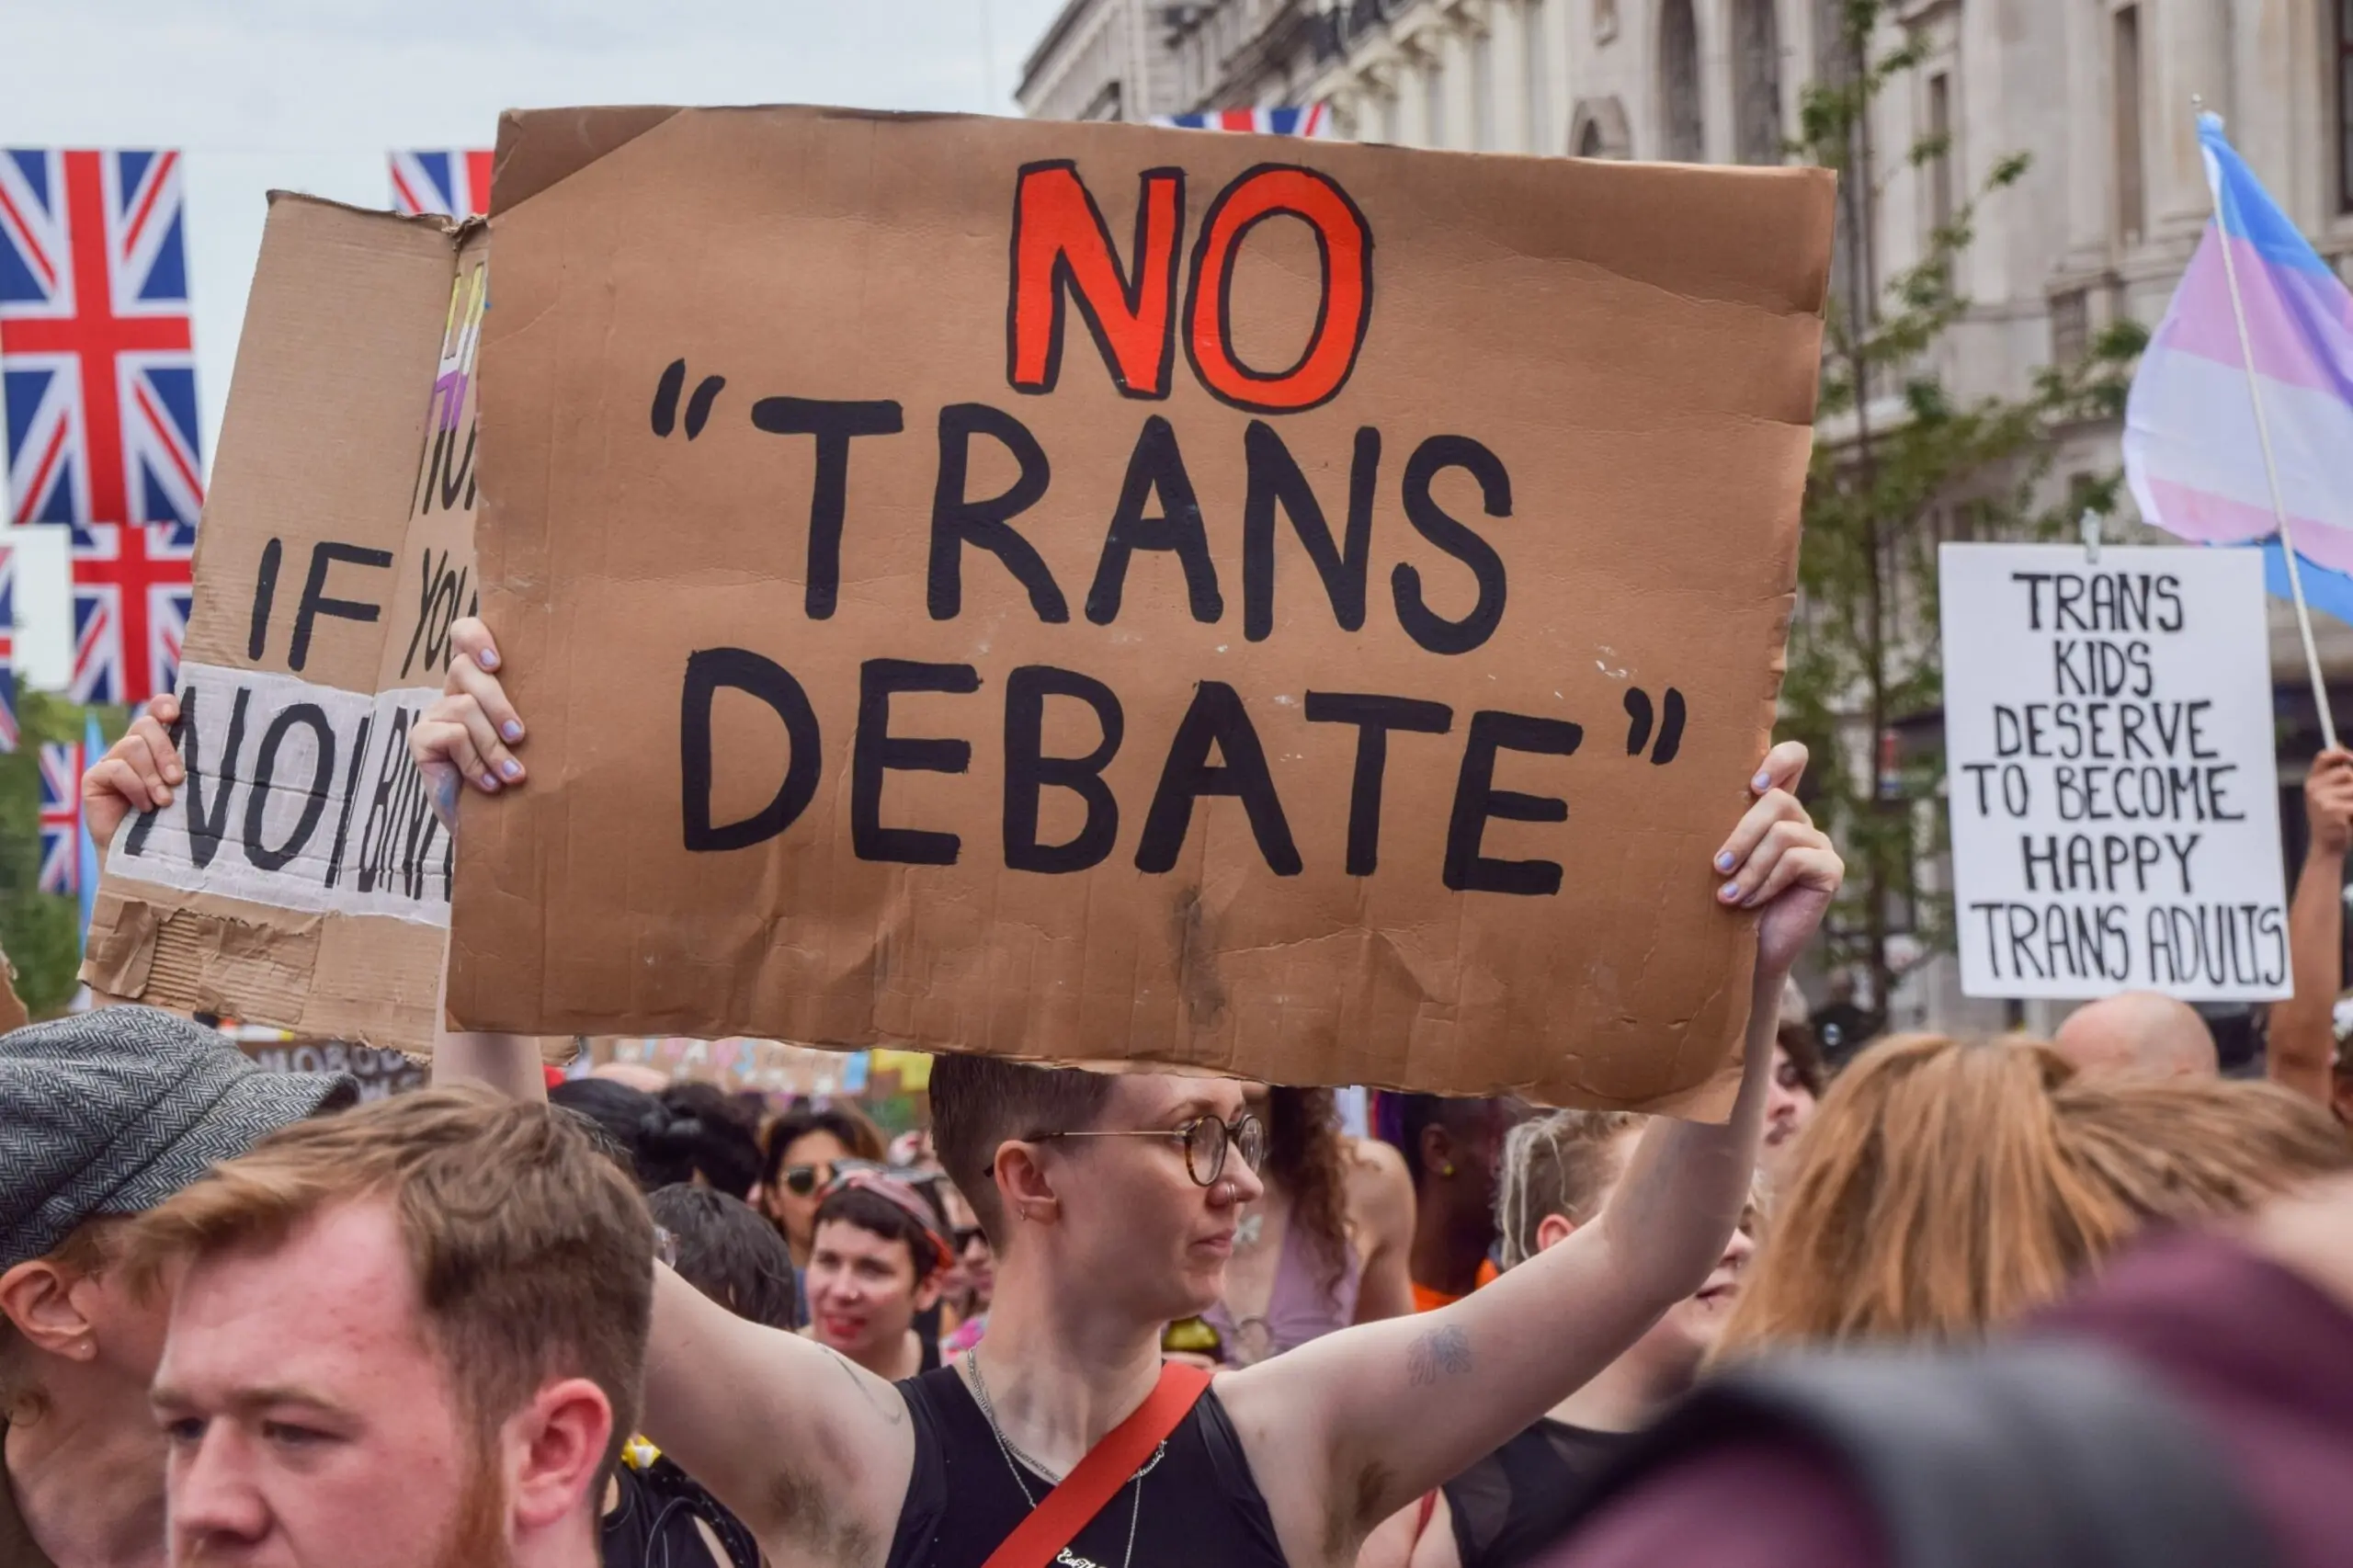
(2192, 451)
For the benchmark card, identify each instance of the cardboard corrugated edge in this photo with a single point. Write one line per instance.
(210, 952)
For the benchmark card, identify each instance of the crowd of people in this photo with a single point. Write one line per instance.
(1916, 1300)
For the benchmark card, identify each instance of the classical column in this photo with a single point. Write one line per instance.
(2186, 49)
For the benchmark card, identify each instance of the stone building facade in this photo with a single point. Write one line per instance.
(1102, 60)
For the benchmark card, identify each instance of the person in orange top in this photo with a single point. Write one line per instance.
(1450, 1149)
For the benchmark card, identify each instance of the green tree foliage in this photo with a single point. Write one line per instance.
(1899, 463)
(40, 932)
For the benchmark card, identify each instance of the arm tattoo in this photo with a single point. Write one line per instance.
(1445, 1350)
(891, 1409)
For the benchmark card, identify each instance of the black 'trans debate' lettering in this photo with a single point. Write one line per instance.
(958, 520)
(1639, 718)
(1374, 717)
(1476, 800)
(1028, 771)
(1424, 625)
(1065, 258)
(875, 750)
(1155, 467)
(835, 424)
(740, 669)
(1276, 481)
(1216, 719)
(1158, 509)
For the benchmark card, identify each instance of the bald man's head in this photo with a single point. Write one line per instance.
(2140, 1034)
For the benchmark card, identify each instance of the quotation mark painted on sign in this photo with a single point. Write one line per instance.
(1640, 717)
(665, 400)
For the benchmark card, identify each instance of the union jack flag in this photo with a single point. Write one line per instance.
(131, 600)
(453, 182)
(61, 815)
(1309, 120)
(99, 378)
(7, 649)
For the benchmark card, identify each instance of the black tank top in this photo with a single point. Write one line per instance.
(1198, 1508)
(653, 1523)
(1512, 1504)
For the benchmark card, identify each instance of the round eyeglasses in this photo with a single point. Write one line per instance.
(1206, 1139)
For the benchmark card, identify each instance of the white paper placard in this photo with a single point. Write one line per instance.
(2109, 761)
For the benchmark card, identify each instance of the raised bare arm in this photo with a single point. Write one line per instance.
(1346, 1429)
(811, 1452)
(2301, 1047)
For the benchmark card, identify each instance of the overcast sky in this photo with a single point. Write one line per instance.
(310, 94)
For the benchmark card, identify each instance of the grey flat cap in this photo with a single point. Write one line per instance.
(113, 1111)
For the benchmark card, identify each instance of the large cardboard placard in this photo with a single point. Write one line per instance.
(299, 877)
(1085, 592)
(2110, 773)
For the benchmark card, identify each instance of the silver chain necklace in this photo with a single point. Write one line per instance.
(1015, 1458)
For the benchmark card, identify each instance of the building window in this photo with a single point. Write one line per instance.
(1536, 79)
(2345, 106)
(1679, 59)
(1598, 129)
(2132, 193)
(1757, 90)
(1433, 106)
(2071, 326)
(1939, 170)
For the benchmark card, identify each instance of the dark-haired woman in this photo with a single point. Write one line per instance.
(804, 1147)
(1326, 1246)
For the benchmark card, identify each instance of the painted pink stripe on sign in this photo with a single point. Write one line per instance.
(2296, 321)
(2218, 519)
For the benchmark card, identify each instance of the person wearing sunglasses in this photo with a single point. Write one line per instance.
(875, 1266)
(1112, 1201)
(972, 1279)
(800, 1150)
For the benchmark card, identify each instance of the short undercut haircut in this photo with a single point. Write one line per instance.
(981, 1102)
(532, 1251)
(1563, 1163)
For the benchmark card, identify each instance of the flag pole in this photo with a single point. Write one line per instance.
(2271, 466)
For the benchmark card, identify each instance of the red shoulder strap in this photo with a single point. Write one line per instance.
(1085, 1492)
